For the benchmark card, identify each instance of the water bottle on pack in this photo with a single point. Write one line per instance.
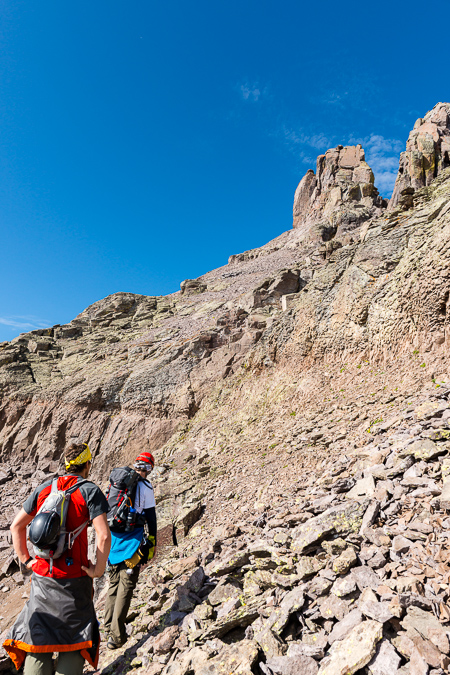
(131, 520)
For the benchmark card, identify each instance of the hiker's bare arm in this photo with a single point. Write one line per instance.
(19, 536)
(103, 537)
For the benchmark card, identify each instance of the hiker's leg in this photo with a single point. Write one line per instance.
(114, 578)
(125, 590)
(69, 663)
(38, 664)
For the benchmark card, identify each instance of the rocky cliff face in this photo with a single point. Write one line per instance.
(248, 383)
(339, 197)
(427, 154)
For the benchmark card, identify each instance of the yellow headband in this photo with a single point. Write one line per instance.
(83, 457)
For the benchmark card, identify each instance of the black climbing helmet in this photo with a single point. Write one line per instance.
(45, 529)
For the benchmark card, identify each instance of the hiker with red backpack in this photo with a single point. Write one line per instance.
(59, 615)
(132, 519)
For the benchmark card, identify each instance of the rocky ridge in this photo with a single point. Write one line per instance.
(427, 154)
(247, 384)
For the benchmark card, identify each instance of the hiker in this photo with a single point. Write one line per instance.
(60, 615)
(132, 509)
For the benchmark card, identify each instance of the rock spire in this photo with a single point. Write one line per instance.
(427, 154)
(340, 195)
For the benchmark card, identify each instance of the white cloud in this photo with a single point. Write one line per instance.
(29, 322)
(317, 141)
(250, 92)
(382, 155)
(302, 144)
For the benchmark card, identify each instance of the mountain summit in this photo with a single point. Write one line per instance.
(339, 196)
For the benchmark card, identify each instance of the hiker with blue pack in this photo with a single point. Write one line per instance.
(59, 615)
(132, 519)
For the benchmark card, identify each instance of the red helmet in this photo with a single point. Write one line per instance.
(145, 458)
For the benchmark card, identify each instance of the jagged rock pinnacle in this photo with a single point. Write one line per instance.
(341, 194)
(427, 154)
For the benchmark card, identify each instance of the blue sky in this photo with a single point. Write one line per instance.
(142, 143)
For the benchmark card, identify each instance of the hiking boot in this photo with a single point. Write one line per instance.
(112, 644)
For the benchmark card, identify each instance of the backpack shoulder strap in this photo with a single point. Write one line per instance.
(74, 488)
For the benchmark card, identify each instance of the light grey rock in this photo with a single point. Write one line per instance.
(370, 515)
(417, 664)
(292, 665)
(333, 607)
(345, 518)
(365, 487)
(344, 627)
(241, 617)
(401, 544)
(227, 607)
(365, 578)
(424, 449)
(230, 563)
(344, 586)
(224, 592)
(355, 651)
(376, 610)
(316, 651)
(386, 661)
(423, 622)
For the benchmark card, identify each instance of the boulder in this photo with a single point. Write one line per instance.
(344, 561)
(164, 642)
(386, 660)
(342, 628)
(224, 592)
(236, 658)
(292, 665)
(355, 651)
(343, 519)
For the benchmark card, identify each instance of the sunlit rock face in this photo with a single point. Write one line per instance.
(427, 154)
(338, 197)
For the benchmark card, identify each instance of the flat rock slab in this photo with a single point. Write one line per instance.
(241, 617)
(444, 499)
(235, 658)
(355, 651)
(292, 665)
(182, 566)
(424, 449)
(230, 563)
(376, 610)
(344, 627)
(426, 624)
(365, 487)
(370, 515)
(345, 518)
(365, 578)
(292, 602)
(223, 592)
(343, 586)
(332, 606)
(316, 651)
